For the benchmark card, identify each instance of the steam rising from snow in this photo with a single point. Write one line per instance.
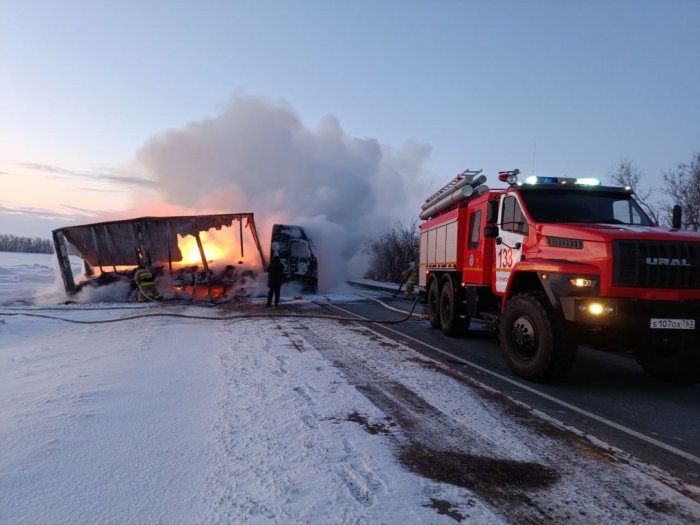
(257, 156)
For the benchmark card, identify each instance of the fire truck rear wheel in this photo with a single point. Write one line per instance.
(434, 304)
(450, 321)
(674, 359)
(534, 341)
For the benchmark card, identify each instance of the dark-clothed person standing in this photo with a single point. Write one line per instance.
(275, 272)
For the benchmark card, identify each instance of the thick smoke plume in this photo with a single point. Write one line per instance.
(257, 156)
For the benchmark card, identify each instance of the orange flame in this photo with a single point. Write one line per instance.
(213, 251)
(220, 246)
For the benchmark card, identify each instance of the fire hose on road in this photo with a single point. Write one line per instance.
(200, 317)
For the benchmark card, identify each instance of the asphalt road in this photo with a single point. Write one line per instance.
(606, 395)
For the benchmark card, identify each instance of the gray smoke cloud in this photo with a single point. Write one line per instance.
(257, 156)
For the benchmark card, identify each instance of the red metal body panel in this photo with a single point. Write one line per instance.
(552, 285)
(453, 238)
(477, 261)
(477, 265)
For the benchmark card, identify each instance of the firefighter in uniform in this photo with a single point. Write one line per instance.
(146, 285)
(410, 275)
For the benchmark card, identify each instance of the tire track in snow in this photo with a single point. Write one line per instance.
(362, 482)
(309, 435)
(313, 463)
(556, 483)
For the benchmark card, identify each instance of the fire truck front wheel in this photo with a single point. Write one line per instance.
(533, 341)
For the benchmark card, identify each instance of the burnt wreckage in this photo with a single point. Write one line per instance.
(296, 251)
(117, 248)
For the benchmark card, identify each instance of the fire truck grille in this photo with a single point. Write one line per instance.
(657, 264)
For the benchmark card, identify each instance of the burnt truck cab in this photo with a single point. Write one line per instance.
(555, 262)
(296, 251)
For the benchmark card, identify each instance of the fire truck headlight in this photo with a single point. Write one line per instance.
(581, 282)
(573, 284)
(597, 309)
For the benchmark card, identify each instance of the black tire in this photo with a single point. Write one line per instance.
(450, 321)
(534, 342)
(434, 304)
(673, 358)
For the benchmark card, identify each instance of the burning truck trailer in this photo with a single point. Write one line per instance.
(200, 254)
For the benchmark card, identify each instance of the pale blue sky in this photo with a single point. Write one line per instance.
(550, 87)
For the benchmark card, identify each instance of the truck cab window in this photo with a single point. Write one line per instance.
(474, 229)
(624, 212)
(583, 207)
(300, 249)
(513, 219)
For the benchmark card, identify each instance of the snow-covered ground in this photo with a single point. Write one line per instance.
(277, 416)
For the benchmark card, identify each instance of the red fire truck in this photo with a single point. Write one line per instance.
(550, 263)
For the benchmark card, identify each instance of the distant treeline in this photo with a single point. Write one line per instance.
(12, 243)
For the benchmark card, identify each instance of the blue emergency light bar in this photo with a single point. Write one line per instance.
(584, 181)
(511, 177)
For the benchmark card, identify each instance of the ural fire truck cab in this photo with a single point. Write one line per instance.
(551, 263)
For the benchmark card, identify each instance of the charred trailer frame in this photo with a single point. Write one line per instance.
(142, 241)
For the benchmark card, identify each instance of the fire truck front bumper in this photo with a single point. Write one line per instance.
(633, 314)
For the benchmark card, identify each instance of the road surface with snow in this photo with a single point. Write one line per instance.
(279, 416)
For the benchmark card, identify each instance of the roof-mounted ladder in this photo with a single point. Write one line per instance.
(453, 183)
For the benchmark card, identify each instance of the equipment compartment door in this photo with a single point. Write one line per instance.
(476, 267)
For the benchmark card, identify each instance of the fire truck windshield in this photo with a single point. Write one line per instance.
(581, 206)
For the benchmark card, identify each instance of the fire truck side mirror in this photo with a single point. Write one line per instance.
(676, 220)
(491, 232)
